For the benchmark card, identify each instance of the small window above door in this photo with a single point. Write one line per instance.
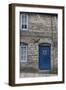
(23, 22)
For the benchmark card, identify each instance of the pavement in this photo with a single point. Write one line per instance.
(32, 72)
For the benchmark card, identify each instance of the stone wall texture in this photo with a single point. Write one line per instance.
(42, 28)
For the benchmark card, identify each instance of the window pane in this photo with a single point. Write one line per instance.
(23, 21)
(23, 53)
(23, 26)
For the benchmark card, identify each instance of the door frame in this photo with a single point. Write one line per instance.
(44, 44)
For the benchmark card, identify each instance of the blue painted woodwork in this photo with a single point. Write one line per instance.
(44, 57)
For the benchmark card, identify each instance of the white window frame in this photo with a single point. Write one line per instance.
(23, 60)
(23, 29)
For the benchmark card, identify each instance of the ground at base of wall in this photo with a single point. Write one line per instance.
(32, 72)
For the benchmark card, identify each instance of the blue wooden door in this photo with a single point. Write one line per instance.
(44, 58)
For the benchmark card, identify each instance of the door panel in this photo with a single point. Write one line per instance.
(44, 58)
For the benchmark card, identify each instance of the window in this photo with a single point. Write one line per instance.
(23, 21)
(23, 52)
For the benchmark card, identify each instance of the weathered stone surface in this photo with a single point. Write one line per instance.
(44, 28)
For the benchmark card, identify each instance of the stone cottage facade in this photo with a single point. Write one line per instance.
(38, 29)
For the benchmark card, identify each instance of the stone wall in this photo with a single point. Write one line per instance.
(39, 23)
(41, 27)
